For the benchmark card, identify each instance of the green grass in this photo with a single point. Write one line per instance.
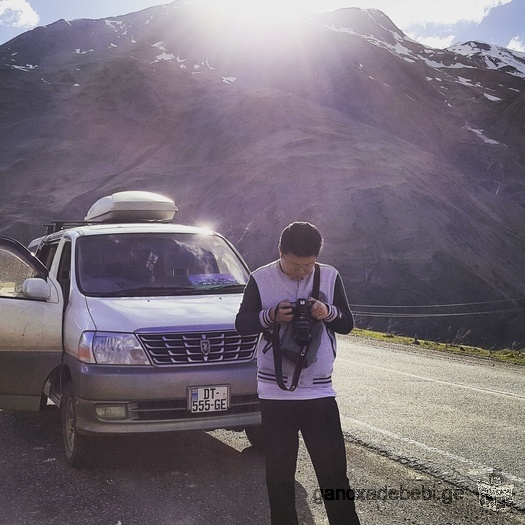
(508, 355)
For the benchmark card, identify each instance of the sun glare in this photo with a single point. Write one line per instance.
(272, 9)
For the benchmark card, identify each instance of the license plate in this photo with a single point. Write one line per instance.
(208, 398)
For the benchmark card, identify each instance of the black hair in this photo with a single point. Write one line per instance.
(301, 239)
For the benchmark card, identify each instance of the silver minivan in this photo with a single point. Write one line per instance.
(126, 322)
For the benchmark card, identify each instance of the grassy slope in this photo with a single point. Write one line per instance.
(515, 356)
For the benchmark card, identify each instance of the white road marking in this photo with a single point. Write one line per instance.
(476, 466)
(458, 385)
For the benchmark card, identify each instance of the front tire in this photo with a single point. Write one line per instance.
(77, 447)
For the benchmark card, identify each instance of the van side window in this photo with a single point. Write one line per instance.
(64, 271)
(46, 254)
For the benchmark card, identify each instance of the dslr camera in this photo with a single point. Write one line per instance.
(302, 321)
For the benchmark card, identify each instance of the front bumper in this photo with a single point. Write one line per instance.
(154, 399)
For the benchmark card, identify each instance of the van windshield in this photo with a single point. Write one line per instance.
(133, 264)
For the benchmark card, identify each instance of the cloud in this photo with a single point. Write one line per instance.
(446, 12)
(18, 13)
(516, 44)
(436, 42)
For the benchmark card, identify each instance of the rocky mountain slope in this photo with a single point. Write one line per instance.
(409, 159)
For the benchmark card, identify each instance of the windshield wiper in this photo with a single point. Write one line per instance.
(151, 290)
(226, 287)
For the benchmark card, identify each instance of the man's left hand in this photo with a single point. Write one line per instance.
(318, 310)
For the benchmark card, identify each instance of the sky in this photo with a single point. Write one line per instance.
(434, 24)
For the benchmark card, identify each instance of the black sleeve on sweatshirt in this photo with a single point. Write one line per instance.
(247, 320)
(344, 322)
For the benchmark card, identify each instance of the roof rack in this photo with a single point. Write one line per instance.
(56, 226)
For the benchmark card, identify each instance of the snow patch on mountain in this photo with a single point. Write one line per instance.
(481, 135)
(492, 57)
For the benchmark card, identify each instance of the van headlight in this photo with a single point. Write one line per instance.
(111, 348)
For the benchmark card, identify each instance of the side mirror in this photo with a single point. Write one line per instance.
(36, 288)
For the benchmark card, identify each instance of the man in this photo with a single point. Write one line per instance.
(310, 406)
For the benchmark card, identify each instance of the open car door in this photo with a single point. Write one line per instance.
(31, 306)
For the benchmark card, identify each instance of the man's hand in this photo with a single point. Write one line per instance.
(282, 313)
(318, 310)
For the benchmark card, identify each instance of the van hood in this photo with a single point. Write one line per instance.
(166, 314)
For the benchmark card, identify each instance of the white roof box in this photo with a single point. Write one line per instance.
(132, 206)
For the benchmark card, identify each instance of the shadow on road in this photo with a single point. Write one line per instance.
(180, 478)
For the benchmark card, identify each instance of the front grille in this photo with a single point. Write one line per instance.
(165, 410)
(192, 348)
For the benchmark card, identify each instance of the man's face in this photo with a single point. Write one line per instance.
(295, 267)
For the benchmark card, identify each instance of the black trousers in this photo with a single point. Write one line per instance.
(320, 425)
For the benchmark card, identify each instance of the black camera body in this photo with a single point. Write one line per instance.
(302, 321)
(301, 307)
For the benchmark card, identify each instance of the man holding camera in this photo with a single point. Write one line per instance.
(296, 295)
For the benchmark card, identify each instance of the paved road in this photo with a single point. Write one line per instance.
(459, 418)
(216, 478)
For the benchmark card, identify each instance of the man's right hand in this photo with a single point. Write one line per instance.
(282, 313)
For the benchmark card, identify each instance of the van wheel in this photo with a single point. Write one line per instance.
(255, 437)
(77, 447)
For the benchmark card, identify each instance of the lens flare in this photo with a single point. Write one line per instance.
(270, 9)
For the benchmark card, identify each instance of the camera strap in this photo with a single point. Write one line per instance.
(276, 344)
(317, 281)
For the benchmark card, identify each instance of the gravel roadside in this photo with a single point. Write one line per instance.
(390, 493)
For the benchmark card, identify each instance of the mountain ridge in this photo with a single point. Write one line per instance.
(409, 159)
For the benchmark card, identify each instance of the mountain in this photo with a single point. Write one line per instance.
(409, 159)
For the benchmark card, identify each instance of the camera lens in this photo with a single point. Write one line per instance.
(302, 322)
